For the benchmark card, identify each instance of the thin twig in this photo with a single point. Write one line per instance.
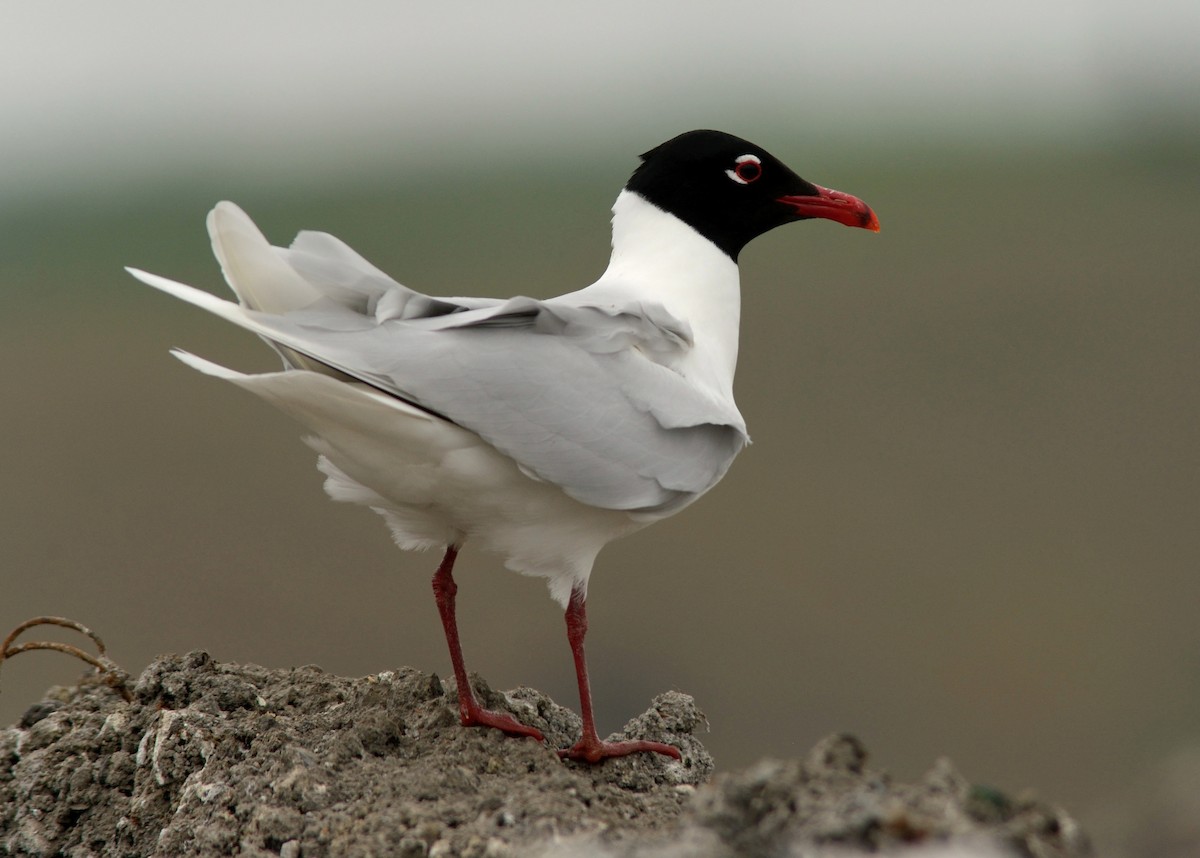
(113, 675)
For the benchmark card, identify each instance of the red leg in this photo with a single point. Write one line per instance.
(589, 748)
(469, 711)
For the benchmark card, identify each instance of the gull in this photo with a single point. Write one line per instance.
(539, 430)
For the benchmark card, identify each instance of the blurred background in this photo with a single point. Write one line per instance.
(970, 521)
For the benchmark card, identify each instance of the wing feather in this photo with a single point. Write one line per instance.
(573, 392)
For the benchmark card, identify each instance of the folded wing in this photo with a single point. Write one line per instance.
(573, 393)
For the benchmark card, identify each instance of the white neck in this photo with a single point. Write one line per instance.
(658, 258)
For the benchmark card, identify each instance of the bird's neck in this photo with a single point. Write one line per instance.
(659, 258)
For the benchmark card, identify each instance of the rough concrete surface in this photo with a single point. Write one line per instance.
(227, 759)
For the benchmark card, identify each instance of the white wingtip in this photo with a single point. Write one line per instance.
(208, 367)
(204, 300)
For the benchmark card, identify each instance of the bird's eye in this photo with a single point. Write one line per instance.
(746, 169)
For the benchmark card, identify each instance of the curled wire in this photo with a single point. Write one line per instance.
(113, 675)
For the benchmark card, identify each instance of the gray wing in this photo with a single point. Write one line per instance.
(560, 389)
(344, 276)
(574, 393)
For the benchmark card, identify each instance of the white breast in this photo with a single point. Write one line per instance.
(658, 258)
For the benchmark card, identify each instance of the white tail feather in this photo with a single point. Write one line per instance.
(252, 267)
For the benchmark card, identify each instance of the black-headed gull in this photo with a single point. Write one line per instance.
(539, 430)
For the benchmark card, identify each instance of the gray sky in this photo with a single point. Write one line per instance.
(91, 88)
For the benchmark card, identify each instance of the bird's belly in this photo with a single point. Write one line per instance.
(438, 484)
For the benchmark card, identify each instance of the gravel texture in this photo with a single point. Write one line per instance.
(228, 759)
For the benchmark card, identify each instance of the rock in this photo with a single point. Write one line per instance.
(215, 759)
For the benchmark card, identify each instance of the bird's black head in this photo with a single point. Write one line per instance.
(731, 191)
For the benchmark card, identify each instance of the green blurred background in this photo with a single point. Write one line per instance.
(970, 521)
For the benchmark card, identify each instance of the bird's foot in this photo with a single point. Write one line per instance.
(593, 750)
(477, 716)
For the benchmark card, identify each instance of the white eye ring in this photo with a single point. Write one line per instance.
(747, 169)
